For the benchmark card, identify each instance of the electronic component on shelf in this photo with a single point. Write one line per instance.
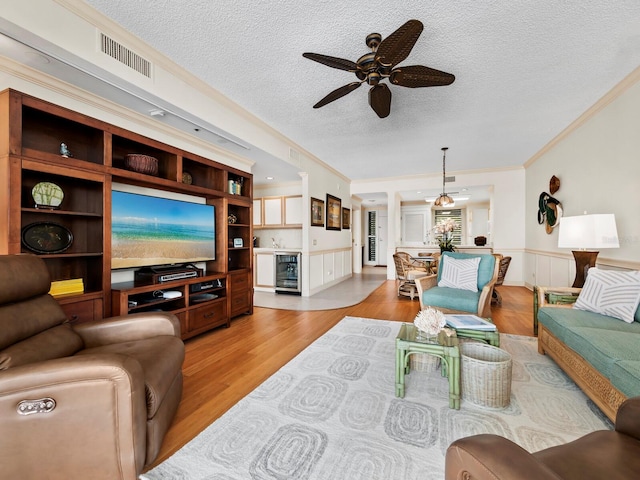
(199, 287)
(171, 294)
(167, 274)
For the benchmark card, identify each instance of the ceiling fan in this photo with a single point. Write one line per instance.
(380, 64)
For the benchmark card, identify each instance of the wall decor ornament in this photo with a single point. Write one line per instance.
(64, 151)
(47, 195)
(334, 213)
(550, 208)
(346, 218)
(317, 212)
(46, 237)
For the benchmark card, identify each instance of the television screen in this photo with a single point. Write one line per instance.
(149, 231)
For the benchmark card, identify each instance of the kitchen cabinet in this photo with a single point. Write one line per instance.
(293, 211)
(278, 212)
(272, 211)
(263, 267)
(257, 212)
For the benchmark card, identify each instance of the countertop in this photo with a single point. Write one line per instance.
(272, 250)
(436, 247)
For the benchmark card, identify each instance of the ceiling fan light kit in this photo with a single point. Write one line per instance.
(380, 64)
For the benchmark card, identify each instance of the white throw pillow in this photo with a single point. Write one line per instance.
(611, 293)
(459, 273)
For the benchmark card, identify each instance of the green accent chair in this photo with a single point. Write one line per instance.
(453, 300)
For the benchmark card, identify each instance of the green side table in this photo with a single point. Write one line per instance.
(486, 336)
(551, 297)
(408, 342)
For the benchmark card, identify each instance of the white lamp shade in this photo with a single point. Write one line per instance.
(588, 232)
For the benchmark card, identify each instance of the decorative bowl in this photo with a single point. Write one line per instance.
(141, 163)
(480, 241)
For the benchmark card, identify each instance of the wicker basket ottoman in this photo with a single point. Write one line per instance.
(485, 375)
(423, 362)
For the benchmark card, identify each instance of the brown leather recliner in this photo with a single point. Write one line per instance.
(90, 401)
(605, 454)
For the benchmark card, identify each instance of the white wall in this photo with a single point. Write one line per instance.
(43, 18)
(326, 254)
(506, 215)
(74, 26)
(597, 160)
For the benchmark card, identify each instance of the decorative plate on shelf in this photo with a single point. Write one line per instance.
(47, 195)
(187, 179)
(46, 237)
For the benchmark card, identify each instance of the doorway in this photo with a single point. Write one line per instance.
(376, 238)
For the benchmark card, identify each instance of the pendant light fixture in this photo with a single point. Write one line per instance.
(444, 200)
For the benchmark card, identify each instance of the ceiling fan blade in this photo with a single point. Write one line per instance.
(415, 76)
(380, 100)
(334, 62)
(338, 93)
(397, 46)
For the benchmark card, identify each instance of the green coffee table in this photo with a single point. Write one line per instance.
(490, 337)
(408, 343)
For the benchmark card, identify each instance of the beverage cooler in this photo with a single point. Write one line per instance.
(287, 272)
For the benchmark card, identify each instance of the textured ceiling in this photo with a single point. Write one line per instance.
(524, 71)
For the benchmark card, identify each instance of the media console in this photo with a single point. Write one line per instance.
(200, 302)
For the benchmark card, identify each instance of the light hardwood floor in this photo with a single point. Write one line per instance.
(224, 365)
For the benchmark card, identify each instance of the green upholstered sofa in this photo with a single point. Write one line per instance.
(600, 353)
(453, 300)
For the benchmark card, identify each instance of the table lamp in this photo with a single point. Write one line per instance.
(586, 234)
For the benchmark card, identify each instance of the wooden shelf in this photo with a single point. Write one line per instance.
(195, 316)
(30, 141)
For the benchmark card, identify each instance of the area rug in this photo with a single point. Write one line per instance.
(331, 414)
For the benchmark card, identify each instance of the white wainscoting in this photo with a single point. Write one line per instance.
(328, 268)
(559, 269)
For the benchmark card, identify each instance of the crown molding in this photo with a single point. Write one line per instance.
(436, 175)
(626, 83)
(111, 28)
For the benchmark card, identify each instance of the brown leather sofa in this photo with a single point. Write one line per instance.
(605, 454)
(90, 401)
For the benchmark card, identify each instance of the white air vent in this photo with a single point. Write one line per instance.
(450, 179)
(295, 157)
(124, 55)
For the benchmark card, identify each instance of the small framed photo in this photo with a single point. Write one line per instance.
(238, 243)
(334, 213)
(317, 212)
(346, 218)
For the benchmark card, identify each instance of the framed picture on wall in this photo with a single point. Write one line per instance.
(334, 212)
(317, 212)
(346, 218)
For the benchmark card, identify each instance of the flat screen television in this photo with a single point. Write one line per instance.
(153, 231)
